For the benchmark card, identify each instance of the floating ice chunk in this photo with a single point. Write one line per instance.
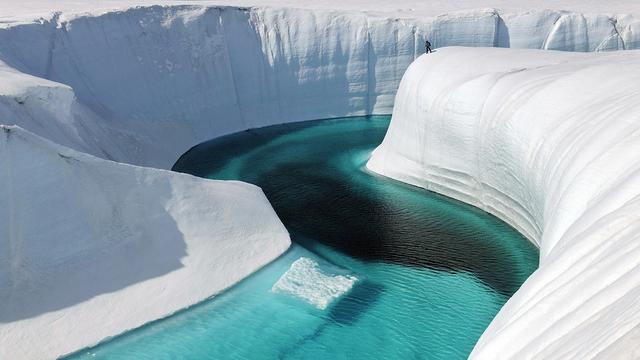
(306, 280)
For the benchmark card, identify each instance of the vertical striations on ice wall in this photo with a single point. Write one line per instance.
(547, 141)
(151, 82)
(143, 85)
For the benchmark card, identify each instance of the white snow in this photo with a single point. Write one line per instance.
(26, 10)
(549, 142)
(143, 85)
(307, 281)
(90, 248)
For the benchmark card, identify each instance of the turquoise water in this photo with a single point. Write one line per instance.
(432, 272)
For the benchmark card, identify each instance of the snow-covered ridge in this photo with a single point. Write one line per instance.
(145, 84)
(549, 142)
(91, 248)
(142, 85)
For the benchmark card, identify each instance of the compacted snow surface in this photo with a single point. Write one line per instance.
(548, 141)
(141, 85)
(90, 248)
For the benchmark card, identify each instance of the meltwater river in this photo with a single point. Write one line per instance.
(431, 272)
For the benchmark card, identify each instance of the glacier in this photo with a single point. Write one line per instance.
(548, 142)
(141, 81)
(142, 85)
(90, 248)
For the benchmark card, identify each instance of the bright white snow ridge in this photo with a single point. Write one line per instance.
(549, 142)
(90, 248)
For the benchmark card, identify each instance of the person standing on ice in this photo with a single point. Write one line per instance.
(427, 47)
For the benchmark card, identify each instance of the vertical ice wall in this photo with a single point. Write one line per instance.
(161, 79)
(548, 141)
(145, 84)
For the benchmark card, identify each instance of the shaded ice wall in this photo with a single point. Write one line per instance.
(148, 83)
(549, 142)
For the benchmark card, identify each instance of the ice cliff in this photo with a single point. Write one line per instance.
(143, 85)
(90, 248)
(549, 142)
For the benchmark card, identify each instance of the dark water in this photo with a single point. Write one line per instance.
(432, 272)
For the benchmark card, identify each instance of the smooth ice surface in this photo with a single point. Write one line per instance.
(142, 85)
(91, 248)
(432, 272)
(306, 280)
(547, 141)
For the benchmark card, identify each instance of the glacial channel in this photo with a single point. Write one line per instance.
(431, 272)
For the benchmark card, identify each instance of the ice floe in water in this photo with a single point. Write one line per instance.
(307, 281)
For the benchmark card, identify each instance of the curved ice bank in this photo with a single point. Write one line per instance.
(549, 142)
(90, 248)
(142, 85)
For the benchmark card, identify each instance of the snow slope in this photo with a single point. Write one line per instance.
(143, 85)
(549, 142)
(91, 248)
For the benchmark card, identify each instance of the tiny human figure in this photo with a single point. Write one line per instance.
(427, 47)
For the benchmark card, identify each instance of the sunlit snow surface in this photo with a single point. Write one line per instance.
(90, 248)
(431, 272)
(548, 141)
(144, 84)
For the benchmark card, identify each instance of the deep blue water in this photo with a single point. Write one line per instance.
(432, 272)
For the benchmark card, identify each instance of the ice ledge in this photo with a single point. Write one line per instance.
(27, 10)
(548, 141)
(91, 248)
(144, 84)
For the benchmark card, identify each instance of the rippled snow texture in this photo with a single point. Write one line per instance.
(145, 84)
(548, 141)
